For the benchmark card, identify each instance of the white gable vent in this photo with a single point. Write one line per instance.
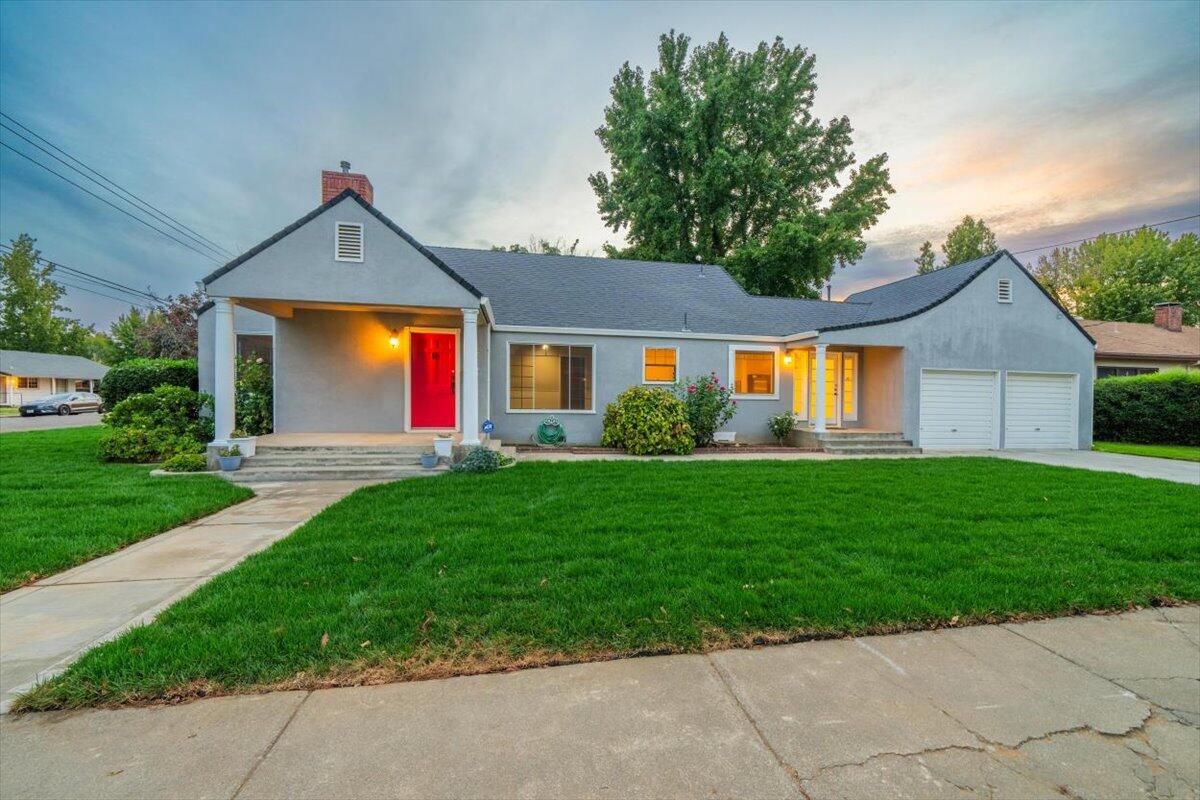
(1004, 291)
(348, 241)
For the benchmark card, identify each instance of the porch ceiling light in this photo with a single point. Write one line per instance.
(394, 339)
(787, 358)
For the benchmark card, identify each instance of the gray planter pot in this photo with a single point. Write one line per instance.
(230, 463)
(429, 460)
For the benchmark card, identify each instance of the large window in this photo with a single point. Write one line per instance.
(27, 383)
(549, 377)
(659, 364)
(753, 370)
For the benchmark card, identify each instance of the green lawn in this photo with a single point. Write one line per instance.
(549, 563)
(59, 506)
(1175, 451)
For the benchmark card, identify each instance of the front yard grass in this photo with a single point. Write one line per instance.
(1179, 452)
(551, 563)
(59, 506)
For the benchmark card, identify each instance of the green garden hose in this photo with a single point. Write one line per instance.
(550, 432)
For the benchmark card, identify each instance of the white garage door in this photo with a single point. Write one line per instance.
(1039, 411)
(958, 409)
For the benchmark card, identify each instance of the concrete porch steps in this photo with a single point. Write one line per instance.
(325, 462)
(858, 442)
(250, 473)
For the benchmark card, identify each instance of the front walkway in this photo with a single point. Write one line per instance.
(45, 626)
(1089, 706)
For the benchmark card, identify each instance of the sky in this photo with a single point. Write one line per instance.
(476, 122)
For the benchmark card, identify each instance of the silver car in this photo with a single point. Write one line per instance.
(64, 404)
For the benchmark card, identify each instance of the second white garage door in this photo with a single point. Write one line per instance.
(1039, 411)
(958, 409)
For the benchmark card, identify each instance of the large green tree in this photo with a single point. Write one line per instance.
(31, 317)
(1121, 276)
(716, 157)
(967, 241)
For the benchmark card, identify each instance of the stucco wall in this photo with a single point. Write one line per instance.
(301, 267)
(881, 389)
(973, 331)
(618, 365)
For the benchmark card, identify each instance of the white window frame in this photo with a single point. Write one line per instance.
(508, 409)
(646, 347)
(408, 332)
(756, 348)
(1004, 286)
(362, 241)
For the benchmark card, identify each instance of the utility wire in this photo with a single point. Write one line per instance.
(128, 195)
(79, 274)
(109, 296)
(1089, 238)
(84, 189)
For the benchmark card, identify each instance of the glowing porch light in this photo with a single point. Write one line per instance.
(394, 339)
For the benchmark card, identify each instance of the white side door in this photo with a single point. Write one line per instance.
(959, 409)
(1040, 411)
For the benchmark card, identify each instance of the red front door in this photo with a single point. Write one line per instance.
(434, 365)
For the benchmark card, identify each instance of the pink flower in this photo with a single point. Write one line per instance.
(734, 402)
(692, 389)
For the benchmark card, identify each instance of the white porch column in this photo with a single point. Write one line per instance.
(818, 409)
(470, 376)
(224, 372)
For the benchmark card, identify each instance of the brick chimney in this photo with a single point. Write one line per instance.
(334, 183)
(1168, 316)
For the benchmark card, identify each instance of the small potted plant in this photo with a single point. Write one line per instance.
(443, 446)
(230, 458)
(429, 459)
(244, 441)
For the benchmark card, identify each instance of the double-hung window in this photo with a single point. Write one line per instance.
(550, 377)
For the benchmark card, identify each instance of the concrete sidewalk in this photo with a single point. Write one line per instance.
(48, 624)
(1082, 707)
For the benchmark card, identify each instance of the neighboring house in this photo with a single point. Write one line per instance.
(1138, 348)
(374, 331)
(28, 376)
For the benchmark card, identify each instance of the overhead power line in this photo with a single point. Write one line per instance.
(84, 189)
(139, 296)
(109, 296)
(116, 188)
(1089, 238)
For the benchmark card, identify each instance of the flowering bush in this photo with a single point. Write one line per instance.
(647, 422)
(781, 426)
(253, 396)
(708, 404)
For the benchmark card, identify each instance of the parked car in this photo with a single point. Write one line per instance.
(64, 404)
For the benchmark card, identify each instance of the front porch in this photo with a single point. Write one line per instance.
(359, 375)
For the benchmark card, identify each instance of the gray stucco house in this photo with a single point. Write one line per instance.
(371, 331)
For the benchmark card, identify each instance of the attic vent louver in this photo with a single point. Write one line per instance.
(1004, 291)
(348, 242)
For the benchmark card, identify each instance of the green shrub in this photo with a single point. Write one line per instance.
(253, 396)
(648, 422)
(1160, 408)
(781, 426)
(141, 375)
(186, 462)
(156, 425)
(479, 459)
(708, 405)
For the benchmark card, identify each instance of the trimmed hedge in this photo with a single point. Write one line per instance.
(648, 422)
(1160, 408)
(143, 375)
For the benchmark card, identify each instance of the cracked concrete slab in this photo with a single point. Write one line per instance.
(195, 750)
(825, 703)
(661, 727)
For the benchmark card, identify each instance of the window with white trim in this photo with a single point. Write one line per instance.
(27, 383)
(550, 377)
(1004, 290)
(660, 364)
(348, 241)
(753, 371)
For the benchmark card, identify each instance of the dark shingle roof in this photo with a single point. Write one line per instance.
(584, 292)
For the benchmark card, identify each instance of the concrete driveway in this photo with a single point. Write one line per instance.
(48, 422)
(1081, 707)
(1164, 468)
